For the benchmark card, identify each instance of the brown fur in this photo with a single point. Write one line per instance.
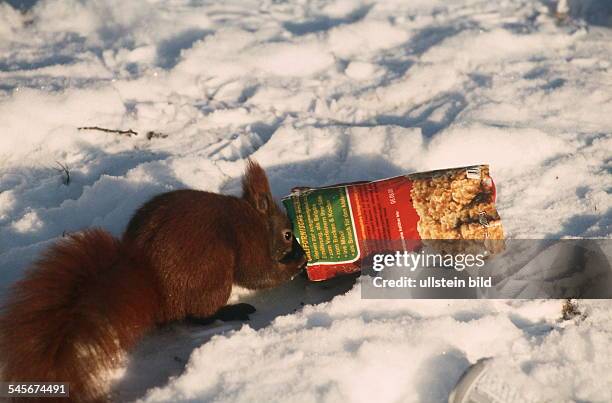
(91, 296)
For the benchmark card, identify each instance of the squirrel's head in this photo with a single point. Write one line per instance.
(285, 252)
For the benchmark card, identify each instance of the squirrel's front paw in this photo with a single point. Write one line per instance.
(235, 312)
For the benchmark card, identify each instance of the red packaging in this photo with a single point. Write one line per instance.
(337, 226)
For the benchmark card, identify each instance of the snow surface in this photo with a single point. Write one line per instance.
(320, 92)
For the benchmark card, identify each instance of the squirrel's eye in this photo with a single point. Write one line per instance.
(288, 235)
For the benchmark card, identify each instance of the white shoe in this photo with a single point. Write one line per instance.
(479, 384)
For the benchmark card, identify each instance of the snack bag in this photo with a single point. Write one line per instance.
(339, 225)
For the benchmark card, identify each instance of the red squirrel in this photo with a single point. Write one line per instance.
(91, 296)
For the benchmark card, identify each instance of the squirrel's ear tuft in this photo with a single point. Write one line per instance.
(255, 187)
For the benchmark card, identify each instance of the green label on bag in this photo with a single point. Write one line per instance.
(323, 224)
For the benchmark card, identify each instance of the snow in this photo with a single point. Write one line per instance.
(319, 92)
(355, 350)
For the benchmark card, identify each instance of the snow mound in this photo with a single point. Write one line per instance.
(358, 350)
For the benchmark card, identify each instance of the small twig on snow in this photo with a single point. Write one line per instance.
(150, 134)
(63, 168)
(128, 132)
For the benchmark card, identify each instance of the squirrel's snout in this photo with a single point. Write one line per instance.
(293, 254)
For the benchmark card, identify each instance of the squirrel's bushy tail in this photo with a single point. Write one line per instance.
(88, 299)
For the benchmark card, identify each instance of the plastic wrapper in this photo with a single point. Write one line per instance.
(339, 225)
